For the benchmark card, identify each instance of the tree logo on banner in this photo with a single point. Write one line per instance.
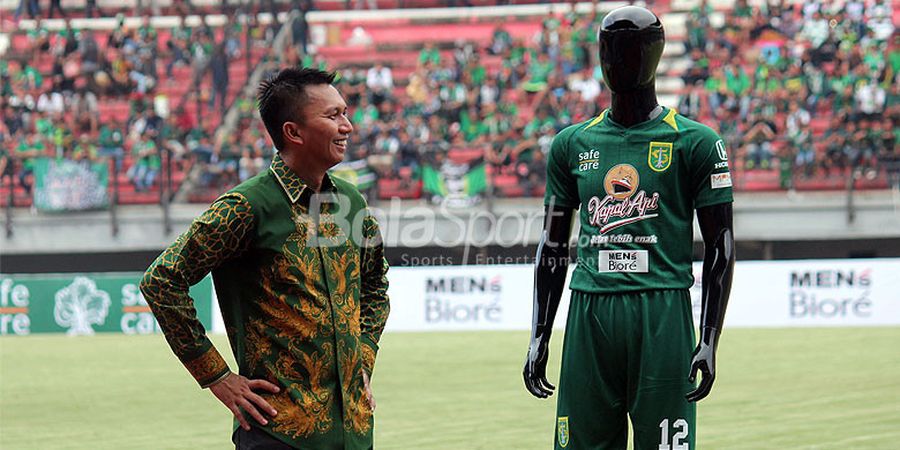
(80, 305)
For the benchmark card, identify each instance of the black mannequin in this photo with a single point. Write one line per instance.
(631, 44)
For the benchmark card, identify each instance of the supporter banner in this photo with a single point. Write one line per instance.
(84, 304)
(357, 172)
(63, 185)
(459, 185)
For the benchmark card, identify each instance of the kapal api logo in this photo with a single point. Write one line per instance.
(623, 200)
(80, 305)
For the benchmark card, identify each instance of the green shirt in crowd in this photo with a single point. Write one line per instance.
(25, 147)
(151, 159)
(637, 189)
(433, 56)
(110, 137)
(303, 294)
(85, 151)
(737, 81)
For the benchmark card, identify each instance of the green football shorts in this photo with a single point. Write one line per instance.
(627, 355)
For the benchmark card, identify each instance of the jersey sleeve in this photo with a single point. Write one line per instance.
(710, 174)
(562, 187)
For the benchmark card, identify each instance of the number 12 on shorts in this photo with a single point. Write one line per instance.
(681, 426)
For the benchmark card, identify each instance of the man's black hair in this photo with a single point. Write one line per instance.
(281, 98)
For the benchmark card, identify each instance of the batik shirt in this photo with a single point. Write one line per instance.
(301, 282)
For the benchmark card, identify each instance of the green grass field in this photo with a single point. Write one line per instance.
(777, 389)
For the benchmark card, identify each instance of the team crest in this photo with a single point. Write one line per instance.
(562, 431)
(621, 181)
(660, 156)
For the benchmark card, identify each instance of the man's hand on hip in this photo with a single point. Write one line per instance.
(236, 393)
(369, 395)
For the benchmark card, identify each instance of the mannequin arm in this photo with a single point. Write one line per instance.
(718, 268)
(552, 261)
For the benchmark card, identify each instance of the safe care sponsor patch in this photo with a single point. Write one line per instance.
(634, 261)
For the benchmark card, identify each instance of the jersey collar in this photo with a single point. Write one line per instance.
(604, 119)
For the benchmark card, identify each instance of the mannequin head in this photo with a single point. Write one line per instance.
(631, 44)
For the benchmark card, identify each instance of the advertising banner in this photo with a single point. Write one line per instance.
(837, 292)
(463, 298)
(84, 304)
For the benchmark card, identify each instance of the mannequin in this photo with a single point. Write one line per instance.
(681, 152)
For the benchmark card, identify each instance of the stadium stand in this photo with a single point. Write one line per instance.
(464, 90)
(141, 89)
(804, 93)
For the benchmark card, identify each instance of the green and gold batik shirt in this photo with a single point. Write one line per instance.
(301, 280)
(637, 189)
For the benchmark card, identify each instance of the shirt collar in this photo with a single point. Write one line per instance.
(293, 186)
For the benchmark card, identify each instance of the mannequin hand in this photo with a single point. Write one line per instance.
(535, 372)
(704, 360)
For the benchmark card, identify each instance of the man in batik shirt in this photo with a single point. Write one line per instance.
(299, 270)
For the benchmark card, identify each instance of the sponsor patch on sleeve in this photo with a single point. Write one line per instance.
(720, 180)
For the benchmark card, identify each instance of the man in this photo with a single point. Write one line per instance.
(300, 273)
(759, 138)
(637, 171)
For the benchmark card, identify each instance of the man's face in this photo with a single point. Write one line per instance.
(325, 126)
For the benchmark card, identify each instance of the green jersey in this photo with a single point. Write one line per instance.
(637, 189)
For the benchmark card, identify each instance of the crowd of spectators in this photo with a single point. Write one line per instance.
(809, 89)
(806, 90)
(504, 113)
(56, 113)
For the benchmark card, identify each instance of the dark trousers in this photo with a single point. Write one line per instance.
(55, 6)
(256, 439)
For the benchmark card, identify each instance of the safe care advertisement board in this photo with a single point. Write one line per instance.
(84, 304)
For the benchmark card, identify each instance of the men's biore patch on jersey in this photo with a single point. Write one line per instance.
(720, 180)
(622, 200)
(660, 156)
(624, 261)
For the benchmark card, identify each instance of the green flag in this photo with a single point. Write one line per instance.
(476, 180)
(356, 172)
(433, 181)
